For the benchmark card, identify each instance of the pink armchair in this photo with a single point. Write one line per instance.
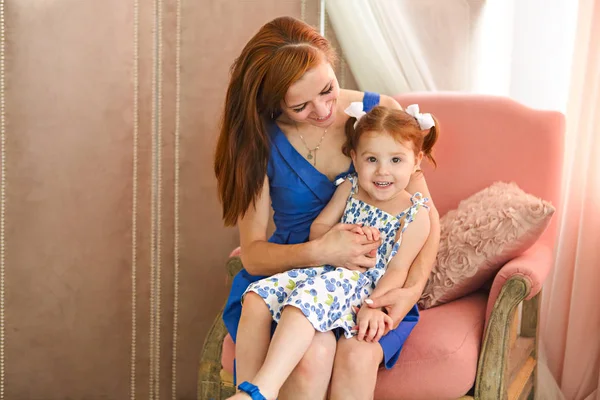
(472, 346)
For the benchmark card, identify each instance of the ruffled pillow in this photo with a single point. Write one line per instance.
(486, 230)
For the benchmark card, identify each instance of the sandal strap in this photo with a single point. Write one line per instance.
(251, 390)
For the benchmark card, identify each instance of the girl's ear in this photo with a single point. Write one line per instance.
(418, 160)
(353, 156)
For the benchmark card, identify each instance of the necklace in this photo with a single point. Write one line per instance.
(312, 153)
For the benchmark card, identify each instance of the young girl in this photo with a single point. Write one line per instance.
(386, 147)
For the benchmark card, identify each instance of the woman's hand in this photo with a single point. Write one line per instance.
(341, 247)
(371, 324)
(397, 302)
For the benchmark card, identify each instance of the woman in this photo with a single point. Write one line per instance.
(280, 146)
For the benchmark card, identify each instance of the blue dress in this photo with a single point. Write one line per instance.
(298, 194)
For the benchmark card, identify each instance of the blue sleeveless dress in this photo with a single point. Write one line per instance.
(298, 194)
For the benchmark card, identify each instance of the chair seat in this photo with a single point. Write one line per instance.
(438, 360)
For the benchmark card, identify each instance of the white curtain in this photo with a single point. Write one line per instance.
(570, 329)
(399, 46)
(378, 46)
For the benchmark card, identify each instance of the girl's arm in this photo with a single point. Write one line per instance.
(333, 211)
(398, 301)
(338, 247)
(413, 240)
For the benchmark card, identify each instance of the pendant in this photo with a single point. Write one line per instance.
(309, 156)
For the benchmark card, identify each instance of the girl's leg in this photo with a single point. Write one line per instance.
(290, 342)
(253, 337)
(355, 369)
(310, 379)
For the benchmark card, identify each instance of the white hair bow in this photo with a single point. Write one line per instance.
(355, 109)
(425, 120)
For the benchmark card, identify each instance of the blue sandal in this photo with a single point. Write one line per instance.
(251, 390)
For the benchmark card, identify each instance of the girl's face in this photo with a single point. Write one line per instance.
(384, 165)
(312, 99)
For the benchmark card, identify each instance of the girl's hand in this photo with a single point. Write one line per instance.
(372, 324)
(341, 247)
(370, 232)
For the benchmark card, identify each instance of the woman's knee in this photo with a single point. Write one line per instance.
(351, 350)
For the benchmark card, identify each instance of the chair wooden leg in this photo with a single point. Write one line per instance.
(529, 328)
(210, 384)
(209, 379)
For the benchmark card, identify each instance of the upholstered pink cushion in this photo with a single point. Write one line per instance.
(487, 229)
(439, 358)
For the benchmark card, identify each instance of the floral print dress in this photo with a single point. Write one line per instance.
(326, 294)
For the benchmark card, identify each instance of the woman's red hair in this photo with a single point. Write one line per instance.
(276, 57)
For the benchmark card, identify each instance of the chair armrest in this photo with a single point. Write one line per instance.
(491, 380)
(236, 252)
(533, 266)
(519, 279)
(234, 265)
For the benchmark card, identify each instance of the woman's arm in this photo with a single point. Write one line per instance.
(389, 102)
(258, 255)
(422, 265)
(338, 247)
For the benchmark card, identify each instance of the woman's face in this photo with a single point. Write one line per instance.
(312, 99)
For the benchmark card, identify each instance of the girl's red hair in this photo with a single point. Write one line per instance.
(397, 123)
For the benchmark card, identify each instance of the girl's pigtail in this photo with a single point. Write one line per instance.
(350, 136)
(430, 139)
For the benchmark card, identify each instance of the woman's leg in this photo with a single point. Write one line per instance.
(290, 342)
(355, 369)
(310, 379)
(253, 337)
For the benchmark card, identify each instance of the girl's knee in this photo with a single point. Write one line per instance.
(319, 357)
(322, 348)
(254, 306)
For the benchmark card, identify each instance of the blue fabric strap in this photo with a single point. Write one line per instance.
(370, 100)
(251, 390)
